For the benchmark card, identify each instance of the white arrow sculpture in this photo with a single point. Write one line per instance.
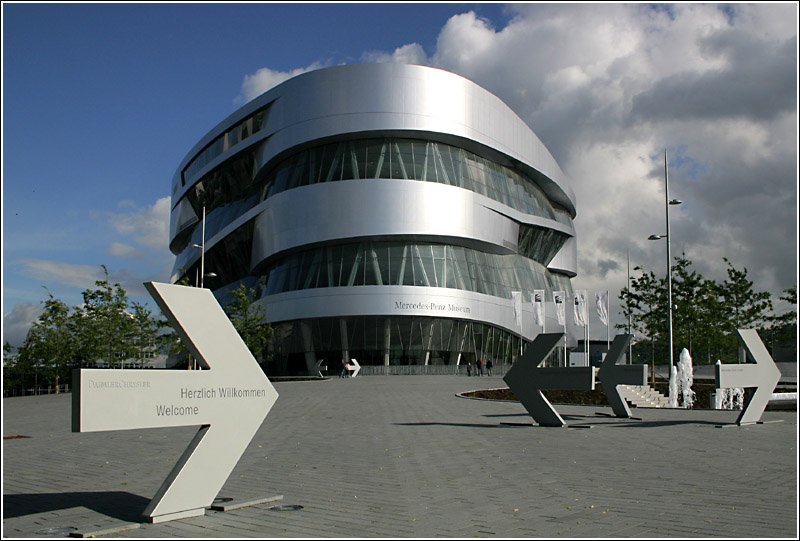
(761, 374)
(229, 400)
(526, 379)
(355, 366)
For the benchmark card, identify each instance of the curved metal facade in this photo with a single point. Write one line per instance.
(381, 211)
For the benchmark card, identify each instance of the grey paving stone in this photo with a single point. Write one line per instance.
(402, 456)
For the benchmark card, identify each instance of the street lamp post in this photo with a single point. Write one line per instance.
(198, 281)
(668, 202)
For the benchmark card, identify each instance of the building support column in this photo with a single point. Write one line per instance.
(308, 348)
(428, 345)
(343, 336)
(387, 339)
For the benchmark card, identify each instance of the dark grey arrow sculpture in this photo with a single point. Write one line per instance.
(613, 374)
(526, 379)
(761, 374)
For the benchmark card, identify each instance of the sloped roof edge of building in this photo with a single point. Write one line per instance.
(503, 131)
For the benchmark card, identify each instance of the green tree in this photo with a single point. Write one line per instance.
(249, 320)
(746, 308)
(782, 328)
(15, 374)
(50, 347)
(147, 337)
(705, 315)
(105, 329)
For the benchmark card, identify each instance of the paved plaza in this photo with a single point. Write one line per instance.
(403, 456)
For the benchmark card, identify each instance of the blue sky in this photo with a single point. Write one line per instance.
(102, 101)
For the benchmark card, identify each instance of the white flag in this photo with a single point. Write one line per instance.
(517, 296)
(538, 304)
(558, 299)
(601, 297)
(579, 308)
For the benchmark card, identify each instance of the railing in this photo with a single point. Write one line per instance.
(9, 393)
(426, 370)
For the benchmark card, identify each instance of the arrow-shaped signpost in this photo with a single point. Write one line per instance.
(613, 374)
(526, 379)
(761, 374)
(355, 366)
(229, 400)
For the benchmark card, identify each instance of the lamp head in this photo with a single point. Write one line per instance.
(675, 202)
(656, 237)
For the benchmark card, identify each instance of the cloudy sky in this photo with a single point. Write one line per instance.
(102, 101)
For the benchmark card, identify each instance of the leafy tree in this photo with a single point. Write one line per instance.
(105, 330)
(645, 302)
(249, 320)
(15, 374)
(172, 343)
(747, 308)
(147, 338)
(705, 313)
(50, 348)
(782, 328)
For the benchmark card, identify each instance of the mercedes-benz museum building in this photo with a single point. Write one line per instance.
(382, 212)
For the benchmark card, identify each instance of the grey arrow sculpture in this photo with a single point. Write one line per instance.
(613, 374)
(761, 374)
(526, 379)
(229, 401)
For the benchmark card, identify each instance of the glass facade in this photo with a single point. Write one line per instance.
(239, 132)
(480, 247)
(409, 264)
(407, 340)
(232, 188)
(409, 159)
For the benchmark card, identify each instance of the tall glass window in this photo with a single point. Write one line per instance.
(409, 159)
(409, 264)
(239, 132)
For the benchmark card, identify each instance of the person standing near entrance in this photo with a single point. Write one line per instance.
(480, 366)
(489, 367)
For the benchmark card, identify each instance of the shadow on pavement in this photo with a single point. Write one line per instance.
(120, 505)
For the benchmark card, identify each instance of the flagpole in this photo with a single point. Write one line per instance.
(588, 317)
(608, 320)
(630, 344)
(564, 304)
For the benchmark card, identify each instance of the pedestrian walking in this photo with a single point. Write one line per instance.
(489, 367)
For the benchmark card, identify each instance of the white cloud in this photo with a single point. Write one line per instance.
(58, 272)
(413, 53)
(147, 226)
(609, 87)
(118, 249)
(263, 79)
(17, 322)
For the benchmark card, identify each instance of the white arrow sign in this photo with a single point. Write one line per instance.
(229, 400)
(354, 366)
(526, 379)
(761, 374)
